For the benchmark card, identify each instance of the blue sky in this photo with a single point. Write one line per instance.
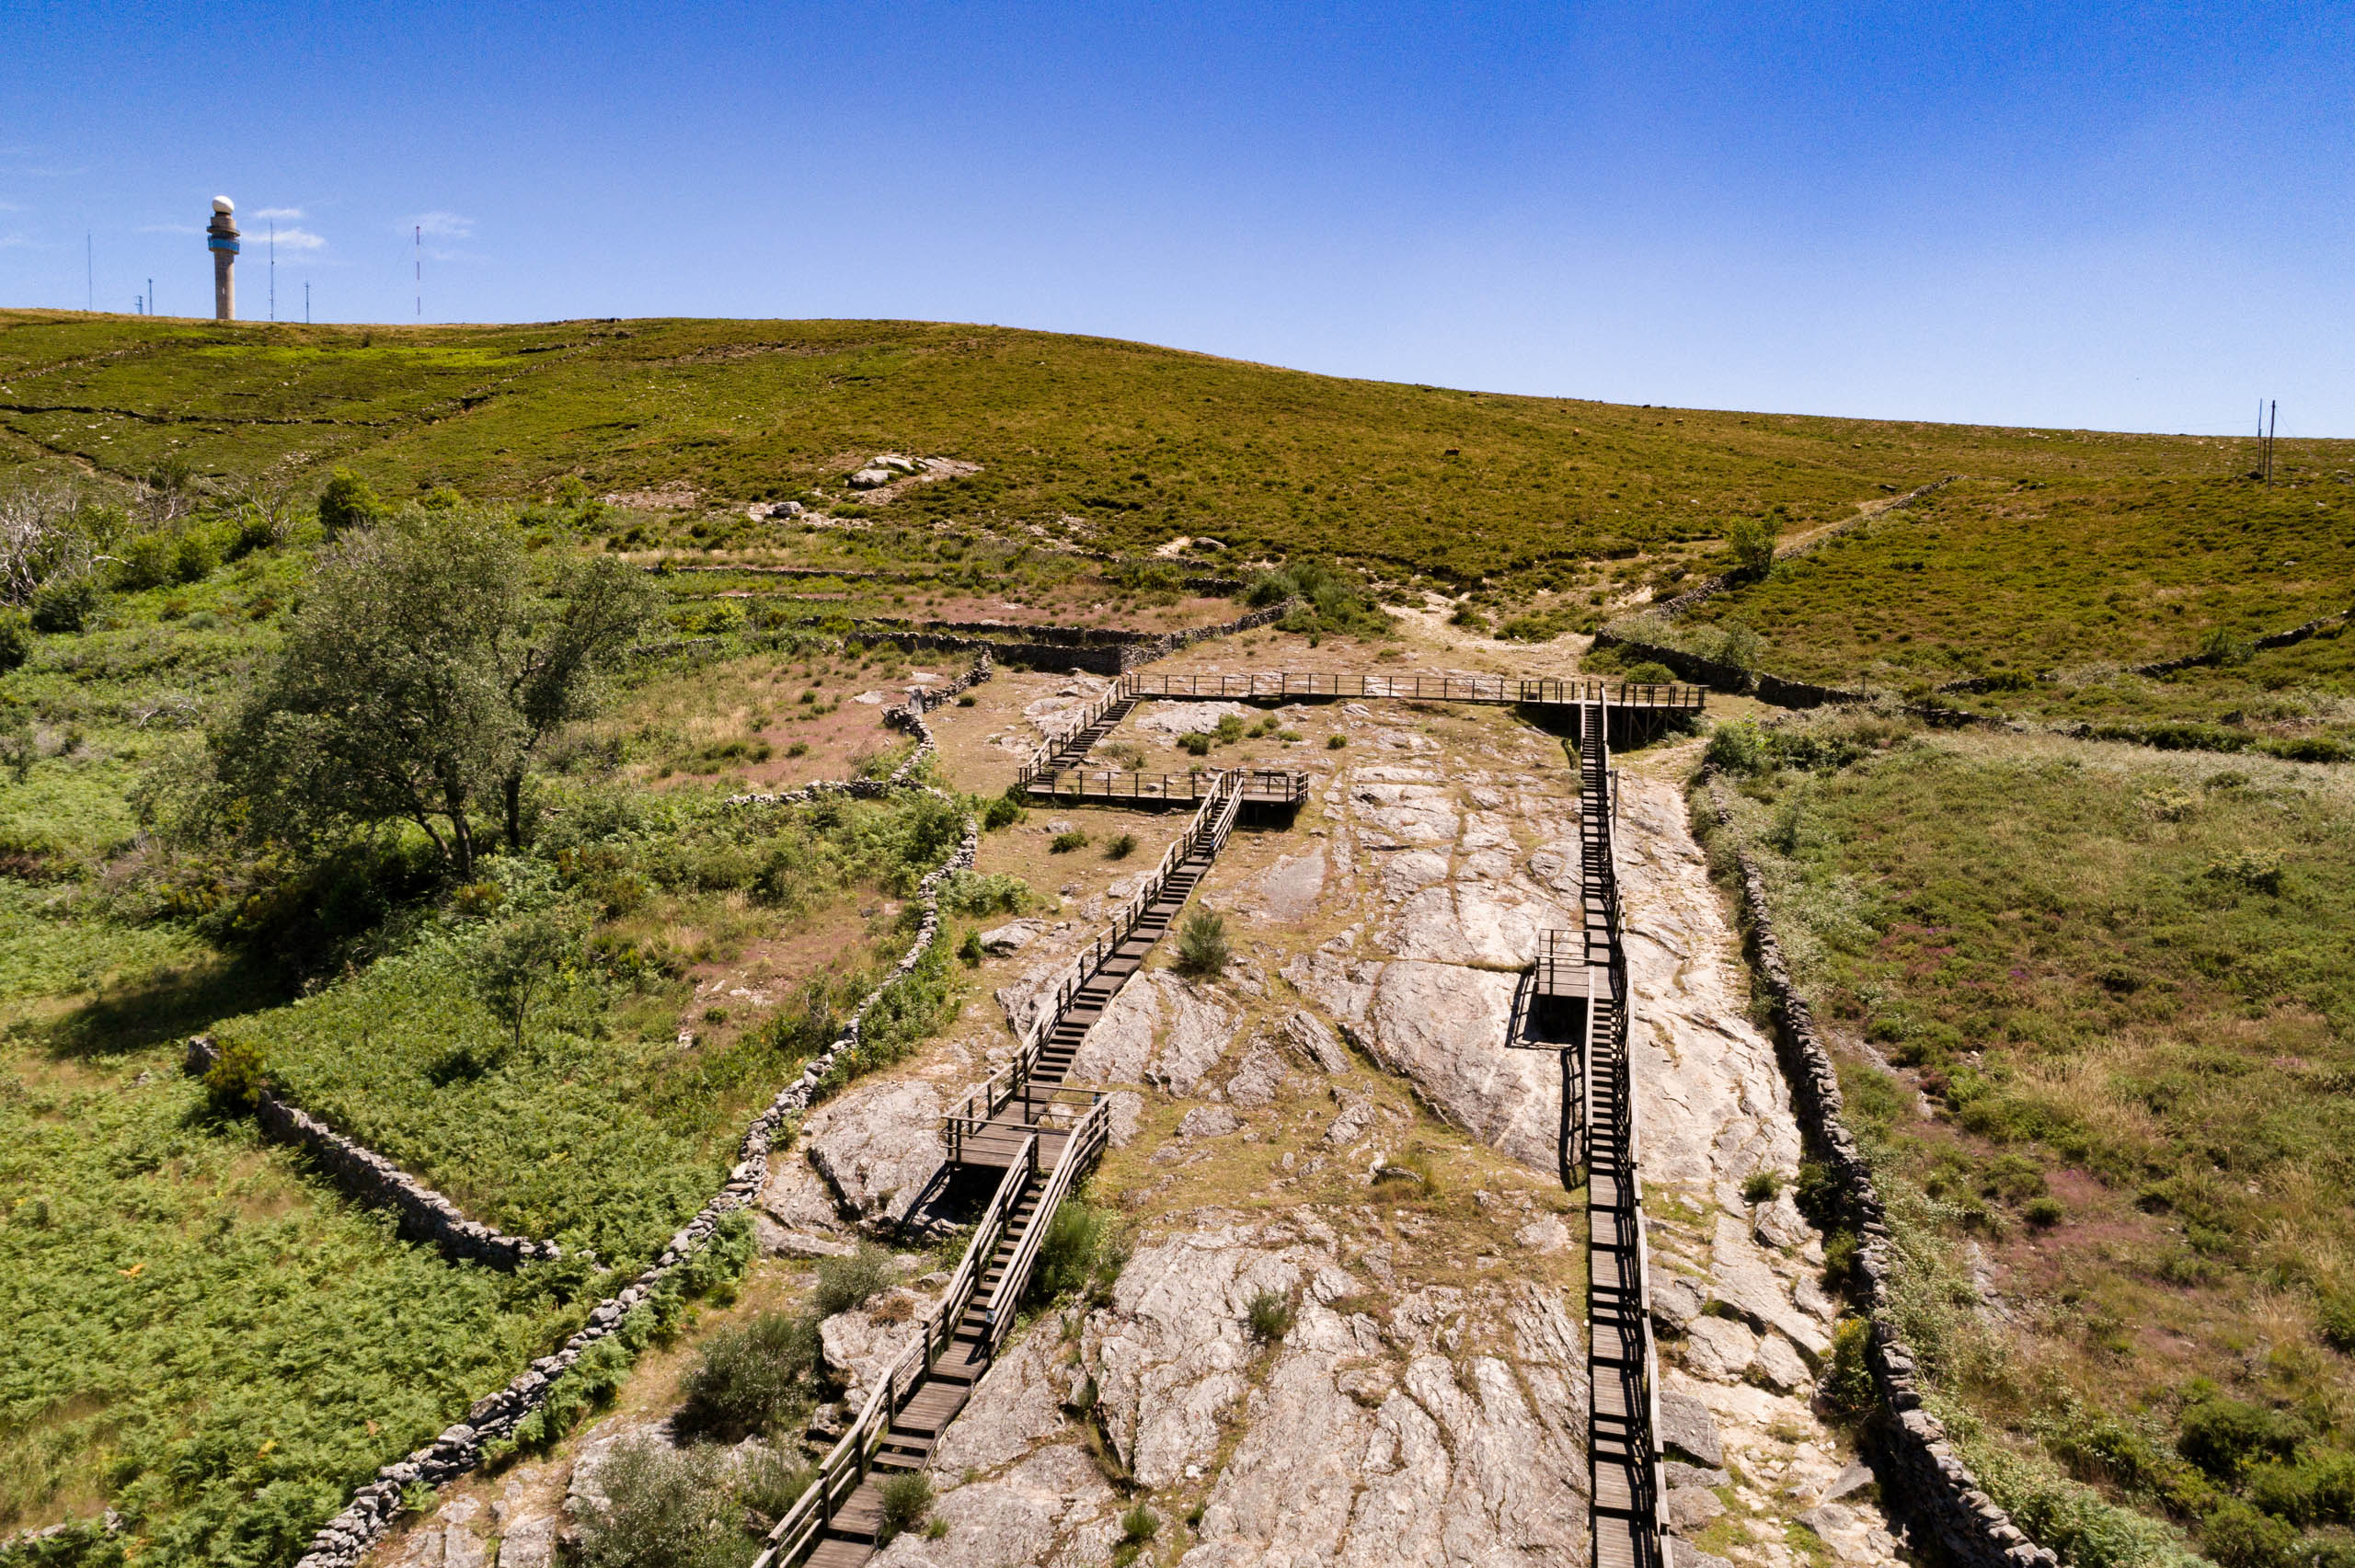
(2126, 217)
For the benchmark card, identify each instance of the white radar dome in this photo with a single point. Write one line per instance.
(223, 204)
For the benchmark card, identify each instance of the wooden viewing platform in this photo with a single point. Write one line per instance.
(1261, 786)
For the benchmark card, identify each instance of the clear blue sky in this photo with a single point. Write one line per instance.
(2132, 217)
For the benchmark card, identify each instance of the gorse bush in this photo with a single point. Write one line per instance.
(754, 1376)
(848, 1282)
(664, 1507)
(1269, 1314)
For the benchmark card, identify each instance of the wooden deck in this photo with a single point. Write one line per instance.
(1261, 786)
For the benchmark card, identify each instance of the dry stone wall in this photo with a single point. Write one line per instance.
(1930, 1480)
(426, 1215)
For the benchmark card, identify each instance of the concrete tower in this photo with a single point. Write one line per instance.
(221, 239)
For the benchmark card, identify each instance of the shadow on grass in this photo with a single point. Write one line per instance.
(164, 1004)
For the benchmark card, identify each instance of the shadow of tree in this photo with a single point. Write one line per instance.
(164, 1004)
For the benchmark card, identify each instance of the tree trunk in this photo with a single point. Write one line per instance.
(462, 835)
(515, 811)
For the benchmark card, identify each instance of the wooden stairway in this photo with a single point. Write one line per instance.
(1025, 1126)
(1623, 1444)
(1072, 750)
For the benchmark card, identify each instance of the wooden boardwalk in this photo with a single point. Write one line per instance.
(1043, 1135)
(1261, 786)
(1623, 1438)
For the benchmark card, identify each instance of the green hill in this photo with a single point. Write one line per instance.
(1139, 443)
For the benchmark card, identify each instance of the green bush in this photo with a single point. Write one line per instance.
(237, 1077)
(1335, 742)
(1270, 1315)
(1121, 847)
(753, 1376)
(1650, 673)
(969, 951)
(2238, 1535)
(973, 893)
(1202, 947)
(848, 1282)
(2335, 1320)
(195, 558)
(64, 604)
(348, 501)
(1760, 1186)
(906, 1498)
(1140, 1524)
(663, 1507)
(2044, 1212)
(15, 640)
(144, 563)
(1065, 841)
(1195, 743)
(1848, 1386)
(1078, 1256)
(1749, 541)
(1003, 812)
(1229, 730)
(2223, 1436)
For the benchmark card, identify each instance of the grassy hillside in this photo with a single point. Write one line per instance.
(1137, 443)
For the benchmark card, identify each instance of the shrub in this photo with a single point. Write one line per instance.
(1750, 541)
(1195, 743)
(2044, 1212)
(194, 559)
(1335, 742)
(1230, 729)
(1270, 1315)
(237, 1078)
(1069, 839)
(663, 1509)
(770, 1483)
(15, 640)
(973, 893)
(1121, 847)
(2335, 1321)
(2224, 645)
(64, 605)
(144, 563)
(1139, 1525)
(1650, 673)
(1002, 812)
(348, 501)
(848, 1282)
(906, 1498)
(2238, 1535)
(1848, 1386)
(2257, 872)
(1201, 945)
(750, 1376)
(2224, 1436)
(1077, 1255)
(1760, 1186)
(969, 951)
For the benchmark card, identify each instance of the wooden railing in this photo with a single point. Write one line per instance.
(1105, 783)
(1608, 1054)
(1087, 1140)
(846, 1463)
(1205, 834)
(1416, 688)
(1054, 1108)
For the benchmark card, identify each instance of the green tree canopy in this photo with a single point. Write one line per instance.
(430, 660)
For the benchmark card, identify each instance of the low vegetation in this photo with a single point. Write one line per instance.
(2118, 980)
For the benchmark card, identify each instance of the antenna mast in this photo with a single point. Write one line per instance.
(418, 239)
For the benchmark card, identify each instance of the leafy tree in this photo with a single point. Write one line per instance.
(420, 676)
(348, 502)
(517, 966)
(1750, 542)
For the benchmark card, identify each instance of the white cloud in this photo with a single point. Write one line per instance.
(445, 226)
(275, 212)
(288, 239)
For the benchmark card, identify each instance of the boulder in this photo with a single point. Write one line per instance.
(1687, 1426)
(860, 1346)
(1011, 937)
(871, 478)
(1208, 1121)
(1443, 1027)
(1174, 719)
(1719, 1349)
(879, 1146)
(1676, 1300)
(1690, 1509)
(1315, 1039)
(1546, 1233)
(1780, 1368)
(1054, 1509)
(1255, 1082)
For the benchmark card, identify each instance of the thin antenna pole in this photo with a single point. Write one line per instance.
(306, 301)
(417, 240)
(273, 269)
(151, 296)
(2272, 430)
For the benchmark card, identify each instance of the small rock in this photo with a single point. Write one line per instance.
(1690, 1509)
(1546, 1233)
(1719, 1349)
(1012, 937)
(1208, 1121)
(1854, 1482)
(1780, 1367)
(1779, 1223)
(1687, 1426)
(1676, 1472)
(870, 478)
(1676, 1301)
(1357, 1114)
(1313, 1035)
